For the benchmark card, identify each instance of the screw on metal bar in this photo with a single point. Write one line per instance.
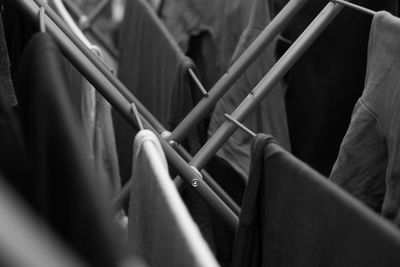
(241, 126)
(165, 135)
(196, 181)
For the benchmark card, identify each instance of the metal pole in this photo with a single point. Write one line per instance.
(237, 69)
(356, 7)
(198, 83)
(123, 195)
(123, 106)
(100, 66)
(212, 183)
(267, 83)
(151, 120)
(104, 41)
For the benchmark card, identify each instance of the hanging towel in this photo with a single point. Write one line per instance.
(327, 80)
(62, 187)
(270, 116)
(160, 228)
(368, 162)
(293, 216)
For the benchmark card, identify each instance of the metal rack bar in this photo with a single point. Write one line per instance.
(123, 106)
(267, 84)
(239, 125)
(355, 7)
(198, 83)
(237, 69)
(156, 125)
(64, 14)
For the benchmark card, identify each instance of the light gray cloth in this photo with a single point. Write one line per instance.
(270, 116)
(97, 123)
(160, 228)
(368, 162)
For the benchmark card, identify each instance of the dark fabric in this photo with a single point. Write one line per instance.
(18, 30)
(97, 122)
(154, 68)
(13, 155)
(233, 185)
(293, 216)
(330, 74)
(367, 165)
(7, 93)
(151, 62)
(61, 187)
(269, 116)
(203, 51)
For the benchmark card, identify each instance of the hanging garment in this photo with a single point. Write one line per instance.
(151, 63)
(208, 31)
(293, 216)
(327, 80)
(14, 162)
(154, 68)
(7, 93)
(13, 154)
(97, 122)
(18, 30)
(160, 227)
(223, 236)
(195, 25)
(367, 165)
(25, 240)
(270, 116)
(61, 187)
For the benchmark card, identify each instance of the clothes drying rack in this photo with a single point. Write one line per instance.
(129, 95)
(121, 98)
